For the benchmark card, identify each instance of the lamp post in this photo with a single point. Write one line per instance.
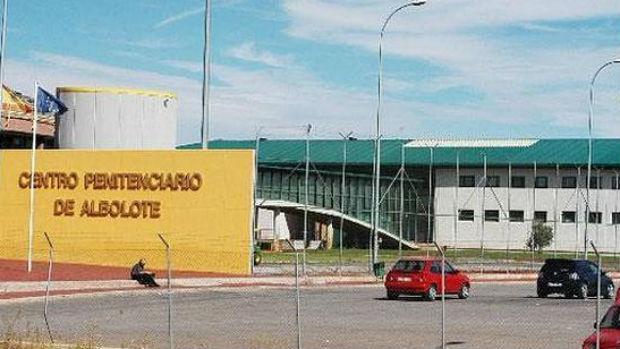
(345, 138)
(377, 150)
(206, 78)
(589, 176)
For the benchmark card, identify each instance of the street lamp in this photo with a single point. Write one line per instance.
(377, 150)
(345, 138)
(590, 122)
(206, 78)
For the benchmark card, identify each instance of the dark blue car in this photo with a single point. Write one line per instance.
(572, 278)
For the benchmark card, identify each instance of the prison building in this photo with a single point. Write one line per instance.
(463, 193)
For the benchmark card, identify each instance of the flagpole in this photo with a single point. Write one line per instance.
(32, 166)
(5, 11)
(206, 78)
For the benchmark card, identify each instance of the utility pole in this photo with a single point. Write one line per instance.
(307, 175)
(206, 77)
(345, 139)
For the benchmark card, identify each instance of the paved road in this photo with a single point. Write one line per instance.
(496, 316)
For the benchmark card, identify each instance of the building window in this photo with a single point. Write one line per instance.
(595, 217)
(614, 182)
(540, 216)
(467, 181)
(493, 181)
(569, 182)
(615, 218)
(595, 182)
(466, 215)
(568, 216)
(517, 181)
(491, 216)
(541, 182)
(516, 216)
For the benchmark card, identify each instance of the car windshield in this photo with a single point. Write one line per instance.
(409, 266)
(610, 320)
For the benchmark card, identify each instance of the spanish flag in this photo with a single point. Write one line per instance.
(13, 101)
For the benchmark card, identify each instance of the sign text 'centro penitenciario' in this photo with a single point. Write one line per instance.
(102, 181)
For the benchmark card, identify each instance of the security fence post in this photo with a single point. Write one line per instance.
(169, 266)
(48, 285)
(598, 296)
(297, 297)
(443, 294)
(298, 305)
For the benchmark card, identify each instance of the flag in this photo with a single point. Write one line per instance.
(48, 103)
(13, 101)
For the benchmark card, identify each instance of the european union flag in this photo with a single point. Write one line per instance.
(48, 103)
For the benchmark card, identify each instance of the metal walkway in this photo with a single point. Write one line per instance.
(266, 203)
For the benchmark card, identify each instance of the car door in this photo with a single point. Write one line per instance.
(453, 279)
(452, 283)
(591, 272)
(435, 273)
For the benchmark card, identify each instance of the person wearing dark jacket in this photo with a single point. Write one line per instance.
(143, 276)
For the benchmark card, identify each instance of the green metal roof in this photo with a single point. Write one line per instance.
(545, 152)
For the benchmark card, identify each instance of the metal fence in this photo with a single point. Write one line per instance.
(323, 308)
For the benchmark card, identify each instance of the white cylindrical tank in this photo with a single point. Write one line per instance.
(116, 118)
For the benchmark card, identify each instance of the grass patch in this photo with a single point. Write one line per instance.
(361, 256)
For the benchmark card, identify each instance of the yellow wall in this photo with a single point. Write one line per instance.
(209, 228)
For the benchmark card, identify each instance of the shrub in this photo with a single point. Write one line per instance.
(541, 237)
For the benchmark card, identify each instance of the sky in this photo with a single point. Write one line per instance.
(452, 68)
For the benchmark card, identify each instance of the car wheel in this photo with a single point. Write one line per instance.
(431, 294)
(568, 295)
(541, 293)
(392, 295)
(464, 292)
(582, 293)
(609, 291)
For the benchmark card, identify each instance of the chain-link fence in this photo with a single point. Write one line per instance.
(322, 309)
(338, 299)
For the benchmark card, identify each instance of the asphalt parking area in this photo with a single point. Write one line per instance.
(496, 316)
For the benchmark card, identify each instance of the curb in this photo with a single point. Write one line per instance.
(21, 290)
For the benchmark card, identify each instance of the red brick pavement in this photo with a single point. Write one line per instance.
(15, 270)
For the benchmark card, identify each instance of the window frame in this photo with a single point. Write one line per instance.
(597, 181)
(598, 217)
(537, 185)
(539, 213)
(564, 215)
(520, 178)
(493, 182)
(488, 219)
(464, 184)
(566, 185)
(465, 218)
(520, 219)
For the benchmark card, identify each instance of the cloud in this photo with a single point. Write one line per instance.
(523, 81)
(310, 18)
(53, 70)
(178, 17)
(150, 43)
(525, 88)
(242, 100)
(248, 52)
(190, 66)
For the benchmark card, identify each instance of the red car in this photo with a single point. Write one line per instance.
(422, 276)
(610, 331)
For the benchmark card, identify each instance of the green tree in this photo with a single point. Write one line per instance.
(541, 237)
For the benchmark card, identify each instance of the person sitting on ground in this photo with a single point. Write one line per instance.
(143, 276)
